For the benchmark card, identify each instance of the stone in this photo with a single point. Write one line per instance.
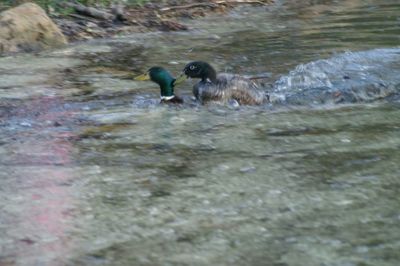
(28, 28)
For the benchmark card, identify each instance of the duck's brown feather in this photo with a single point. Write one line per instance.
(228, 87)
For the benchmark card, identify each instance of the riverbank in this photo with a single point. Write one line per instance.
(84, 22)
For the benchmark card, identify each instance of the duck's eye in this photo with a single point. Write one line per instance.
(192, 67)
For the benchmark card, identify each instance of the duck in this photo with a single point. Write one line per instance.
(166, 81)
(224, 87)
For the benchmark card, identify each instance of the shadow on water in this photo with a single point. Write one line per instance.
(95, 171)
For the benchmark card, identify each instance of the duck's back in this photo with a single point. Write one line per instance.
(227, 87)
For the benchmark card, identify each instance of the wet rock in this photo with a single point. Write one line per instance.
(28, 241)
(28, 28)
(57, 124)
(165, 25)
(169, 25)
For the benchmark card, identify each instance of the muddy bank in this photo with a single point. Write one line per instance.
(99, 22)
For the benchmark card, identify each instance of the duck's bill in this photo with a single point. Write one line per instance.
(144, 76)
(182, 77)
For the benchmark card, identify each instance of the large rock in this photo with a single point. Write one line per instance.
(28, 28)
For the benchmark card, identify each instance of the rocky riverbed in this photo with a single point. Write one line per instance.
(79, 22)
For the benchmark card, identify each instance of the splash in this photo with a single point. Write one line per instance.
(345, 78)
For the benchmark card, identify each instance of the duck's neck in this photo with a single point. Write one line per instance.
(167, 89)
(209, 74)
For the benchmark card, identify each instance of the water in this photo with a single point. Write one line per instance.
(349, 77)
(95, 172)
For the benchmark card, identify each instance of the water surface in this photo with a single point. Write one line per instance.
(95, 172)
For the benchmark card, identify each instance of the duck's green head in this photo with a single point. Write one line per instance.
(162, 77)
(200, 69)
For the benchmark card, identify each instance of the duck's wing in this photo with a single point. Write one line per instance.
(206, 91)
(228, 87)
(241, 89)
(265, 75)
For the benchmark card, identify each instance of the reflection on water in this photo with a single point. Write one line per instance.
(95, 172)
(35, 191)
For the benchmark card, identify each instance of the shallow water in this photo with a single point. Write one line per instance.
(95, 172)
